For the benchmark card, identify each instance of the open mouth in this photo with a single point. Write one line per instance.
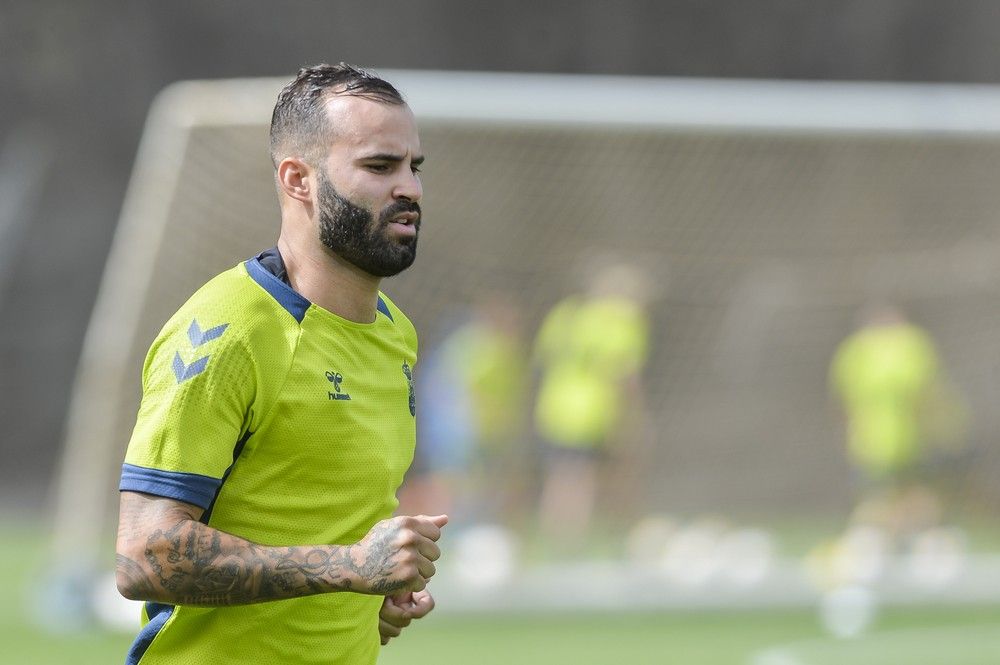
(406, 218)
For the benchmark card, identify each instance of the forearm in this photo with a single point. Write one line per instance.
(174, 558)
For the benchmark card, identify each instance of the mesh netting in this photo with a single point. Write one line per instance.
(760, 248)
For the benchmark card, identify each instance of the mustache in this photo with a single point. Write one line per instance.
(399, 207)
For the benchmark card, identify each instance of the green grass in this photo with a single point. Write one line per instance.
(599, 638)
(968, 636)
(21, 640)
(912, 637)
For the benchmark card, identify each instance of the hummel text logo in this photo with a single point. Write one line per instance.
(336, 379)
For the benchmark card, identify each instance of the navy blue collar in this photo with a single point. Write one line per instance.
(271, 260)
(268, 270)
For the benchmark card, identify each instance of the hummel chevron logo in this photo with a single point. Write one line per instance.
(198, 337)
(184, 372)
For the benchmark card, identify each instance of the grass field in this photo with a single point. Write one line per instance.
(915, 636)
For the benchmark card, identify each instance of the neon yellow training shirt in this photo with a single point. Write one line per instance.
(884, 375)
(586, 347)
(290, 426)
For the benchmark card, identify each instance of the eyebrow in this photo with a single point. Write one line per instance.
(388, 157)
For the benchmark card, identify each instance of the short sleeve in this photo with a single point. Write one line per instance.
(199, 386)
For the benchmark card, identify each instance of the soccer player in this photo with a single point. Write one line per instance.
(277, 417)
(889, 379)
(590, 351)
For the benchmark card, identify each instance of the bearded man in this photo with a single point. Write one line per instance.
(277, 418)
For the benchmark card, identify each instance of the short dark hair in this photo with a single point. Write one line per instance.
(299, 124)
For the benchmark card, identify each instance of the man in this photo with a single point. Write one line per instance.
(900, 414)
(590, 351)
(884, 374)
(277, 415)
(471, 427)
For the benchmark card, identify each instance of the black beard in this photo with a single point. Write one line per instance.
(351, 232)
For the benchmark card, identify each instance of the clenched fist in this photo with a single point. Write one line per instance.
(398, 554)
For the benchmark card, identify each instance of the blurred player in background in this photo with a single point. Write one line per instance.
(277, 417)
(899, 411)
(589, 351)
(470, 461)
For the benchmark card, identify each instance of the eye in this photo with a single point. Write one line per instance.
(378, 168)
(415, 169)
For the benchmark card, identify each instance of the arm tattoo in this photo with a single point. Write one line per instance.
(197, 565)
(189, 563)
(377, 568)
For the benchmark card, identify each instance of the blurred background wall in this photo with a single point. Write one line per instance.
(76, 81)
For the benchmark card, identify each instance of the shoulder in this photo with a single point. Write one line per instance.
(231, 316)
(249, 296)
(388, 308)
(564, 310)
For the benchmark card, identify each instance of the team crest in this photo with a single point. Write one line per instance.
(409, 381)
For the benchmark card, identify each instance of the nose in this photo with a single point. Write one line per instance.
(409, 187)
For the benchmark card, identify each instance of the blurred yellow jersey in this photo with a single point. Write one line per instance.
(585, 349)
(290, 426)
(883, 375)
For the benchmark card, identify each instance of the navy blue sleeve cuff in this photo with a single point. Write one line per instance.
(190, 488)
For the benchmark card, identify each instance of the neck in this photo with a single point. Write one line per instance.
(325, 279)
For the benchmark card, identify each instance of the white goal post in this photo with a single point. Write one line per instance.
(776, 208)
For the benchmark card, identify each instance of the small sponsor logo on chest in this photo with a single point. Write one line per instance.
(336, 378)
(339, 392)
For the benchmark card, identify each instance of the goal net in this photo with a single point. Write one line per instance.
(763, 215)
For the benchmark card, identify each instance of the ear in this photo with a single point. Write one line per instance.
(296, 179)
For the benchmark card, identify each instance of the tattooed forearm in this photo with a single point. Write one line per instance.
(197, 565)
(165, 554)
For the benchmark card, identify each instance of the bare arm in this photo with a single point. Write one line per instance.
(165, 554)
